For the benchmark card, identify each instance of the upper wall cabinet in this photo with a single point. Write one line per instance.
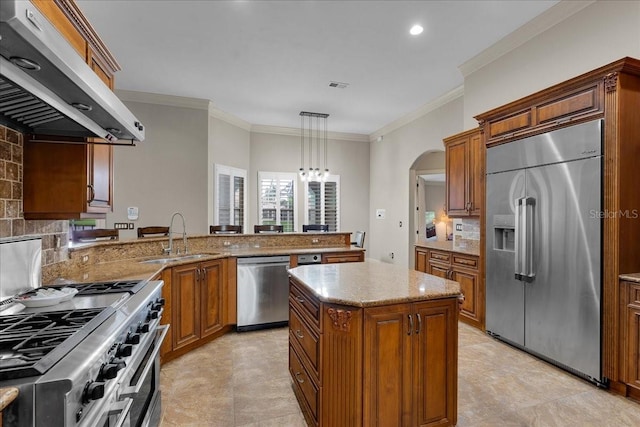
(67, 18)
(67, 181)
(464, 155)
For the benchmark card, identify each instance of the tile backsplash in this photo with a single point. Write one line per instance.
(466, 233)
(12, 222)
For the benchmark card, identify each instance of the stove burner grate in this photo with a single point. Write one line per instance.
(31, 343)
(96, 288)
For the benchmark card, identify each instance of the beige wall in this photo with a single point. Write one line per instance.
(595, 36)
(166, 173)
(391, 180)
(349, 159)
(229, 145)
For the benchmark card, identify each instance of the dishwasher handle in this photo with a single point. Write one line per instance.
(279, 259)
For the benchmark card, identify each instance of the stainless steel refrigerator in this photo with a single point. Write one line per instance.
(543, 253)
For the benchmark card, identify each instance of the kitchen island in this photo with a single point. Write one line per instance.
(373, 344)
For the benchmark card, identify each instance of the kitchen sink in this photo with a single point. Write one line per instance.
(174, 259)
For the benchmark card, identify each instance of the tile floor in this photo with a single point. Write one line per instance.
(242, 380)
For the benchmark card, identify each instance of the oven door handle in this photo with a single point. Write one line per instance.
(123, 407)
(161, 332)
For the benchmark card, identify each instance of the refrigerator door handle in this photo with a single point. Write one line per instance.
(518, 240)
(527, 258)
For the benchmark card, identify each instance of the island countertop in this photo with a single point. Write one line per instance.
(372, 283)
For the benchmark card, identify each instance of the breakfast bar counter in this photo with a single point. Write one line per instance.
(373, 344)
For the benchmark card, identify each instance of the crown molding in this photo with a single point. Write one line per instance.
(160, 99)
(229, 118)
(182, 102)
(549, 18)
(281, 130)
(425, 109)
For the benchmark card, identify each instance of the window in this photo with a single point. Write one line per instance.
(323, 202)
(277, 199)
(229, 203)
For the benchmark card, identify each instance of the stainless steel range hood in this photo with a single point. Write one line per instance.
(46, 88)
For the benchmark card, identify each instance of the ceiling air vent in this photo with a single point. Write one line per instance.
(339, 85)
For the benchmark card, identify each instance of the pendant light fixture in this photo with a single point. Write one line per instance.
(310, 123)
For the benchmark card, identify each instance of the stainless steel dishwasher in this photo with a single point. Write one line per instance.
(263, 292)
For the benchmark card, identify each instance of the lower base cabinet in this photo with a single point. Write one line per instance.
(463, 269)
(197, 297)
(392, 365)
(630, 348)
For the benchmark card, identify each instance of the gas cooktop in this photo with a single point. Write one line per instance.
(30, 343)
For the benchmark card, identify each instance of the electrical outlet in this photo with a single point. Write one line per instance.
(130, 226)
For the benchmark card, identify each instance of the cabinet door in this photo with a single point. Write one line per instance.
(439, 270)
(185, 318)
(457, 182)
(387, 366)
(476, 174)
(469, 287)
(633, 347)
(212, 280)
(421, 260)
(435, 355)
(100, 181)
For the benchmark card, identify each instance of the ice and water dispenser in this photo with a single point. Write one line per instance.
(504, 235)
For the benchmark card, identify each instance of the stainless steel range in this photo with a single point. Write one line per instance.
(90, 361)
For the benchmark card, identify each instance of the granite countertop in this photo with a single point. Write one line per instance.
(136, 269)
(372, 283)
(7, 395)
(631, 277)
(447, 245)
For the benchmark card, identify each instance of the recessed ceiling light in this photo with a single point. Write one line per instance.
(415, 30)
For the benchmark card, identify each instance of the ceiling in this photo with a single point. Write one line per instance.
(265, 61)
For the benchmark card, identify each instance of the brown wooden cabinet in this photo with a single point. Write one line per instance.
(69, 20)
(630, 337)
(464, 159)
(577, 104)
(67, 181)
(375, 366)
(462, 268)
(197, 301)
(337, 257)
(409, 380)
(198, 298)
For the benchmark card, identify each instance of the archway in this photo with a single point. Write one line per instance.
(427, 199)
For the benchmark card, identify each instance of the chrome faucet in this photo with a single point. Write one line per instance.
(184, 235)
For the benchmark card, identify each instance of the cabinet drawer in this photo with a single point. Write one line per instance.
(634, 294)
(303, 383)
(307, 340)
(338, 258)
(444, 257)
(306, 304)
(463, 261)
